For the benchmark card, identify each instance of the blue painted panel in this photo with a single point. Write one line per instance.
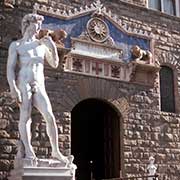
(125, 41)
(75, 27)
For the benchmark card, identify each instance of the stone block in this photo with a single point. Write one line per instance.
(3, 122)
(4, 165)
(4, 134)
(168, 137)
(43, 1)
(6, 149)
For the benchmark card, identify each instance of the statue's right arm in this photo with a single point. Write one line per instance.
(51, 53)
(11, 65)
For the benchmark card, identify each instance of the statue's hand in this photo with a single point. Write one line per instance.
(16, 94)
(48, 42)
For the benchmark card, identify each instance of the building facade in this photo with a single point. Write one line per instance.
(114, 109)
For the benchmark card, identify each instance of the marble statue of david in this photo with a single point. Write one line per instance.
(28, 87)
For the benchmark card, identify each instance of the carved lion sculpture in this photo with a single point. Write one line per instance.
(141, 55)
(57, 35)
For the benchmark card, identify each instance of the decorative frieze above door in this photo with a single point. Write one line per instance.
(100, 44)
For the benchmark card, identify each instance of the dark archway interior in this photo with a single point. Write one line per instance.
(96, 140)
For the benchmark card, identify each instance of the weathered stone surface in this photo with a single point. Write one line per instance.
(6, 149)
(147, 130)
(4, 165)
(3, 122)
(4, 134)
(42, 1)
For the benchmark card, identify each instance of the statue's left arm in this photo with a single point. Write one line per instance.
(51, 53)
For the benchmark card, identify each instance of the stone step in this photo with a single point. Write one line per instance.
(47, 171)
(41, 169)
(42, 173)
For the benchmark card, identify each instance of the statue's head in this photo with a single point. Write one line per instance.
(151, 160)
(31, 23)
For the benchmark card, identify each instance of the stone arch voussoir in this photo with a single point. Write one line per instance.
(94, 88)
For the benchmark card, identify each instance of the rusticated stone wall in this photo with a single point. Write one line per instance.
(153, 133)
(137, 2)
(147, 130)
(7, 142)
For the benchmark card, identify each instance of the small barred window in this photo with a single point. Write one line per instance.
(167, 89)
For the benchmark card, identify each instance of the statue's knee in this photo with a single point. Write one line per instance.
(24, 121)
(22, 126)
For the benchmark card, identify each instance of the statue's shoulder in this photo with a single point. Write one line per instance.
(15, 44)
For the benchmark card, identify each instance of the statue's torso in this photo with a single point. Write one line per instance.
(31, 60)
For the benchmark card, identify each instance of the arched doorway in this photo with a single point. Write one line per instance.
(95, 140)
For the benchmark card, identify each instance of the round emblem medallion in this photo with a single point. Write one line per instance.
(97, 30)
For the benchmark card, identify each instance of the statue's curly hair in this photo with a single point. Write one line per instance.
(30, 18)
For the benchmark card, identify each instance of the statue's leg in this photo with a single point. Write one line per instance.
(25, 121)
(42, 103)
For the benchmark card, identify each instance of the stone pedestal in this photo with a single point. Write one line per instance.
(41, 169)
